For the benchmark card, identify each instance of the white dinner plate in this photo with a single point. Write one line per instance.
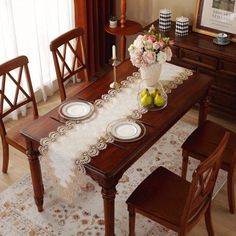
(76, 110)
(126, 130)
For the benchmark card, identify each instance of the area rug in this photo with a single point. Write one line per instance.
(18, 214)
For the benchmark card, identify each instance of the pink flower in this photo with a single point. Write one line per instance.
(161, 43)
(147, 49)
(136, 61)
(136, 57)
(149, 57)
(152, 38)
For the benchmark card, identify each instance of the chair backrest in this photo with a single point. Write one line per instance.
(14, 75)
(69, 57)
(203, 182)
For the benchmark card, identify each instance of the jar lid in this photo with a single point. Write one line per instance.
(165, 11)
(182, 19)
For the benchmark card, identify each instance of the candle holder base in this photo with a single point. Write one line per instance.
(111, 61)
(114, 85)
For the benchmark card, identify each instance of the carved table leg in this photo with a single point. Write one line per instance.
(203, 109)
(109, 210)
(36, 176)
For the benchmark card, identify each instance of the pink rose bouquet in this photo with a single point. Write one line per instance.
(150, 48)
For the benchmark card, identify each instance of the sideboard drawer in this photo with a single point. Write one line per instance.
(226, 83)
(223, 81)
(176, 61)
(225, 101)
(228, 67)
(198, 59)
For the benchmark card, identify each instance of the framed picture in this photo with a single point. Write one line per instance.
(214, 16)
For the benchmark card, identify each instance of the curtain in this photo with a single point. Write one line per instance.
(92, 15)
(26, 28)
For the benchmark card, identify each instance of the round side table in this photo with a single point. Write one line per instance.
(129, 28)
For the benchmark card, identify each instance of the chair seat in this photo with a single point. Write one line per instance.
(14, 136)
(205, 139)
(162, 195)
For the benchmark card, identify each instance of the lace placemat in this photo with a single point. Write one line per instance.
(65, 151)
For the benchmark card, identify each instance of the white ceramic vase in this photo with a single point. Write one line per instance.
(151, 74)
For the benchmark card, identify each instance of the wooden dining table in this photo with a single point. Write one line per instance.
(108, 167)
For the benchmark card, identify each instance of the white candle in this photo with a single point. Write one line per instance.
(113, 52)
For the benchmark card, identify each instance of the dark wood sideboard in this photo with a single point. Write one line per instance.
(198, 52)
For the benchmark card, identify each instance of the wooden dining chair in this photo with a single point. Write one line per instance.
(69, 59)
(173, 201)
(201, 142)
(15, 74)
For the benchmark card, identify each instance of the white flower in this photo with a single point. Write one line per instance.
(131, 48)
(138, 42)
(161, 57)
(156, 45)
(137, 62)
(148, 45)
(168, 52)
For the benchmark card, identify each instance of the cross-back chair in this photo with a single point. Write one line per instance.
(201, 142)
(173, 201)
(67, 66)
(14, 73)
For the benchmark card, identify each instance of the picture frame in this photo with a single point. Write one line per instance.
(215, 16)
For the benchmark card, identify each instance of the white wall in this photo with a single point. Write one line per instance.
(147, 11)
(178, 7)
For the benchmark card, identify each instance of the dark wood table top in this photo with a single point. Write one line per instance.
(113, 161)
(131, 27)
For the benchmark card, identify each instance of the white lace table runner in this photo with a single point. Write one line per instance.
(65, 151)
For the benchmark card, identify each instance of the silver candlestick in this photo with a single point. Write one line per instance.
(115, 84)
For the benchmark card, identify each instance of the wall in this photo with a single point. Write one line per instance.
(147, 11)
(178, 7)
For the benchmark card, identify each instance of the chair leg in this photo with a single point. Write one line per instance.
(5, 148)
(184, 163)
(230, 186)
(208, 221)
(62, 91)
(131, 221)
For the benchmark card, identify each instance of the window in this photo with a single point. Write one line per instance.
(26, 28)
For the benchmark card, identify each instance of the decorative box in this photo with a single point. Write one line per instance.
(165, 20)
(181, 26)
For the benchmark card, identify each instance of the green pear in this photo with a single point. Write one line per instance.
(159, 101)
(146, 100)
(154, 93)
(143, 92)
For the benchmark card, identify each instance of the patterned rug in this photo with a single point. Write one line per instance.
(19, 216)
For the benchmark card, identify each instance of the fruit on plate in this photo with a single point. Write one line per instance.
(159, 101)
(146, 100)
